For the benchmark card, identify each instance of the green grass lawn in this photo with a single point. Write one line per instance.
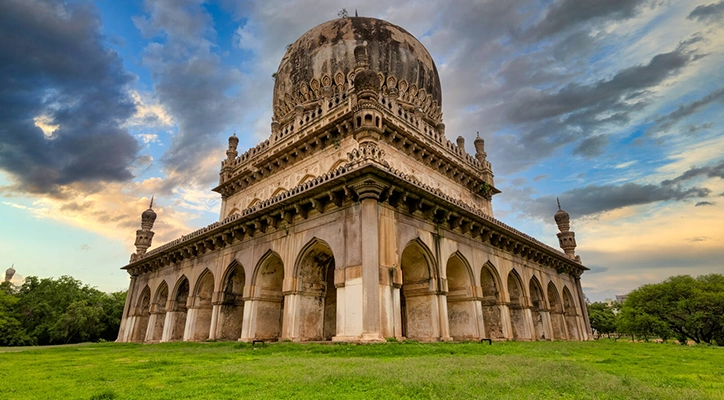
(512, 370)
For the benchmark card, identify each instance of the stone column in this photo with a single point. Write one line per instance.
(151, 324)
(247, 324)
(215, 328)
(126, 311)
(586, 333)
(369, 193)
(190, 327)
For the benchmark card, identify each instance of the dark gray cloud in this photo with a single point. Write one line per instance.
(53, 63)
(665, 122)
(712, 171)
(704, 203)
(709, 13)
(595, 199)
(565, 14)
(192, 83)
(591, 147)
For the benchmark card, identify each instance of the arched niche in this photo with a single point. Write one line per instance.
(203, 294)
(556, 310)
(160, 301)
(305, 178)
(538, 309)
(490, 284)
(517, 306)
(571, 314)
(178, 307)
(231, 314)
(462, 313)
(314, 270)
(417, 299)
(143, 312)
(268, 281)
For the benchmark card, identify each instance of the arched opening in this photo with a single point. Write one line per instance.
(539, 309)
(517, 307)
(204, 291)
(417, 299)
(268, 296)
(231, 314)
(318, 296)
(557, 320)
(489, 282)
(143, 313)
(179, 308)
(460, 305)
(571, 314)
(160, 311)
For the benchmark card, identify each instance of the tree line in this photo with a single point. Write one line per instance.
(57, 311)
(681, 307)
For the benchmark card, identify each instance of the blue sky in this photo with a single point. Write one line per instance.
(613, 106)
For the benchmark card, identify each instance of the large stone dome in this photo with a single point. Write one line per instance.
(322, 62)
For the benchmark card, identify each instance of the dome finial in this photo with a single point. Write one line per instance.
(150, 206)
(559, 203)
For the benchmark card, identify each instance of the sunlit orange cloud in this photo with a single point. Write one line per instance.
(114, 211)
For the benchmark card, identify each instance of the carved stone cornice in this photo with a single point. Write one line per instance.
(365, 176)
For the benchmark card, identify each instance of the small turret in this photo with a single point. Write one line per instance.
(9, 273)
(231, 153)
(366, 81)
(461, 143)
(566, 237)
(144, 236)
(479, 144)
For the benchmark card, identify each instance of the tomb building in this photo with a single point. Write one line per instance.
(357, 220)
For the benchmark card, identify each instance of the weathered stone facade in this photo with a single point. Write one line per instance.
(357, 220)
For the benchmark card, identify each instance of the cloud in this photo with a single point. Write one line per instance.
(704, 203)
(565, 14)
(710, 13)
(591, 147)
(712, 171)
(192, 84)
(664, 123)
(65, 99)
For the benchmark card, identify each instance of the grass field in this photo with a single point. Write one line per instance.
(512, 370)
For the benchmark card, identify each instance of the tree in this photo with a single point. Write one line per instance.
(603, 318)
(53, 311)
(691, 308)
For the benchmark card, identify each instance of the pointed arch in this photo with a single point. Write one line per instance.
(202, 303)
(571, 314)
(278, 191)
(337, 164)
(161, 296)
(231, 314)
(491, 301)
(143, 312)
(461, 309)
(556, 311)
(179, 300)
(417, 297)
(160, 301)
(232, 212)
(538, 309)
(306, 178)
(314, 271)
(517, 306)
(267, 282)
(253, 202)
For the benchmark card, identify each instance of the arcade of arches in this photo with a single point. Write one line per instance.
(448, 300)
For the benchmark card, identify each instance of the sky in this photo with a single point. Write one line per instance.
(613, 106)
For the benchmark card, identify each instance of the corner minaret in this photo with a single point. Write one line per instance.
(144, 236)
(9, 273)
(566, 237)
(479, 143)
